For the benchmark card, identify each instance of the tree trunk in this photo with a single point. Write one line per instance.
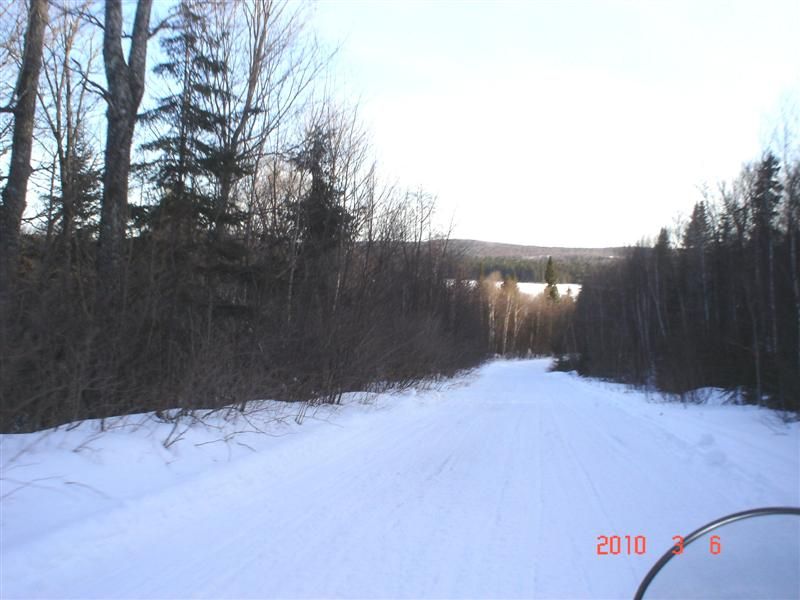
(113, 215)
(518, 317)
(125, 89)
(704, 275)
(655, 290)
(221, 205)
(20, 168)
(506, 319)
(492, 348)
(795, 270)
(772, 306)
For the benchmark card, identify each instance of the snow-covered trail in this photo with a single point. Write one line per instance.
(497, 487)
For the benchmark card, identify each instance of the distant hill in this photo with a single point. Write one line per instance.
(478, 249)
(528, 263)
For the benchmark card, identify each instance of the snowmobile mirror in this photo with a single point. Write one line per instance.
(750, 554)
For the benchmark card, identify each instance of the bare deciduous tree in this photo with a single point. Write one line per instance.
(66, 103)
(24, 110)
(12, 32)
(125, 90)
(266, 73)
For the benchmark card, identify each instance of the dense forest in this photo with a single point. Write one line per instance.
(571, 269)
(529, 263)
(208, 227)
(716, 304)
(518, 324)
(231, 241)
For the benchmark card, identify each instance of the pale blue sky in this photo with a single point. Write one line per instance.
(564, 123)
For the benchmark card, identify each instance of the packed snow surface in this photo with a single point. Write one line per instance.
(497, 484)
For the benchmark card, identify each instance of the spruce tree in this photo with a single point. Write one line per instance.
(184, 152)
(81, 191)
(697, 232)
(551, 278)
(764, 201)
(766, 195)
(322, 219)
(696, 239)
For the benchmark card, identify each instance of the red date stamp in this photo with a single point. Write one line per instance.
(637, 545)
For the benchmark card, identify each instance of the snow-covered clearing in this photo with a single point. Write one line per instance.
(495, 486)
(534, 289)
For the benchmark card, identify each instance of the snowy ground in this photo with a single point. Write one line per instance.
(534, 289)
(496, 486)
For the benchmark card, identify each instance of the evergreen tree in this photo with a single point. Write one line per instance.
(185, 152)
(661, 279)
(766, 196)
(81, 190)
(551, 278)
(764, 202)
(696, 239)
(322, 219)
(697, 231)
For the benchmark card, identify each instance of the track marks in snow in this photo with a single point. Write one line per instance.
(497, 487)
